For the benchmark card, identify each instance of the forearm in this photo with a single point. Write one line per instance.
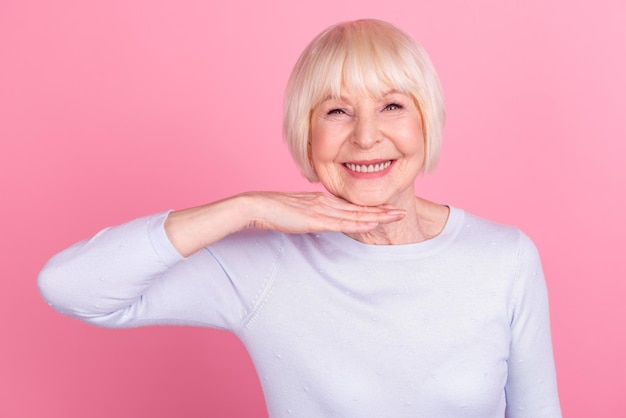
(190, 230)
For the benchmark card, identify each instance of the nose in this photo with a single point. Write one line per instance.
(366, 133)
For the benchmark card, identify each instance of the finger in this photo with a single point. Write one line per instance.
(385, 216)
(360, 221)
(315, 212)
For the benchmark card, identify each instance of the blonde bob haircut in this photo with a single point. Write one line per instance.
(368, 57)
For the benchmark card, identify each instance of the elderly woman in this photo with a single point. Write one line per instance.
(364, 302)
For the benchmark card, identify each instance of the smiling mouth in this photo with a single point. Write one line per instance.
(368, 168)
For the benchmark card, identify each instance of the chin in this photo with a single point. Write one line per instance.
(368, 199)
(377, 197)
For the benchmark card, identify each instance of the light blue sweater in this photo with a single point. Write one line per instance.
(456, 326)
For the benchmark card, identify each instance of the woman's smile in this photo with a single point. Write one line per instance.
(368, 169)
(357, 138)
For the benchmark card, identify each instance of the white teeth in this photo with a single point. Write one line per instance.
(369, 168)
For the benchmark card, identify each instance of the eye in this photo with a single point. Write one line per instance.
(336, 111)
(393, 106)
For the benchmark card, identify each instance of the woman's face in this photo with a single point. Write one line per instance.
(367, 150)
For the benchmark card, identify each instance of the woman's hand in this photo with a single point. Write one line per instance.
(192, 229)
(316, 212)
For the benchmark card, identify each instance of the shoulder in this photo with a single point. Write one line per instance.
(496, 241)
(480, 230)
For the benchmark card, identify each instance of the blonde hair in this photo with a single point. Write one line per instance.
(365, 56)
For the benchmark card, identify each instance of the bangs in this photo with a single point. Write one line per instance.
(363, 62)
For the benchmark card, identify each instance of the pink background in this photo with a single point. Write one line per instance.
(114, 109)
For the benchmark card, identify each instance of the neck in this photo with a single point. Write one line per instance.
(424, 220)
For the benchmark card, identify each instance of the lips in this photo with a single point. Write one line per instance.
(368, 168)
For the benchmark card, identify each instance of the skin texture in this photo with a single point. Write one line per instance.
(366, 130)
(375, 208)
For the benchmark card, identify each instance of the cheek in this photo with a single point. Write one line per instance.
(412, 142)
(322, 148)
(418, 148)
(322, 154)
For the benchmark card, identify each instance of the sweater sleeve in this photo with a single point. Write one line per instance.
(531, 389)
(130, 275)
